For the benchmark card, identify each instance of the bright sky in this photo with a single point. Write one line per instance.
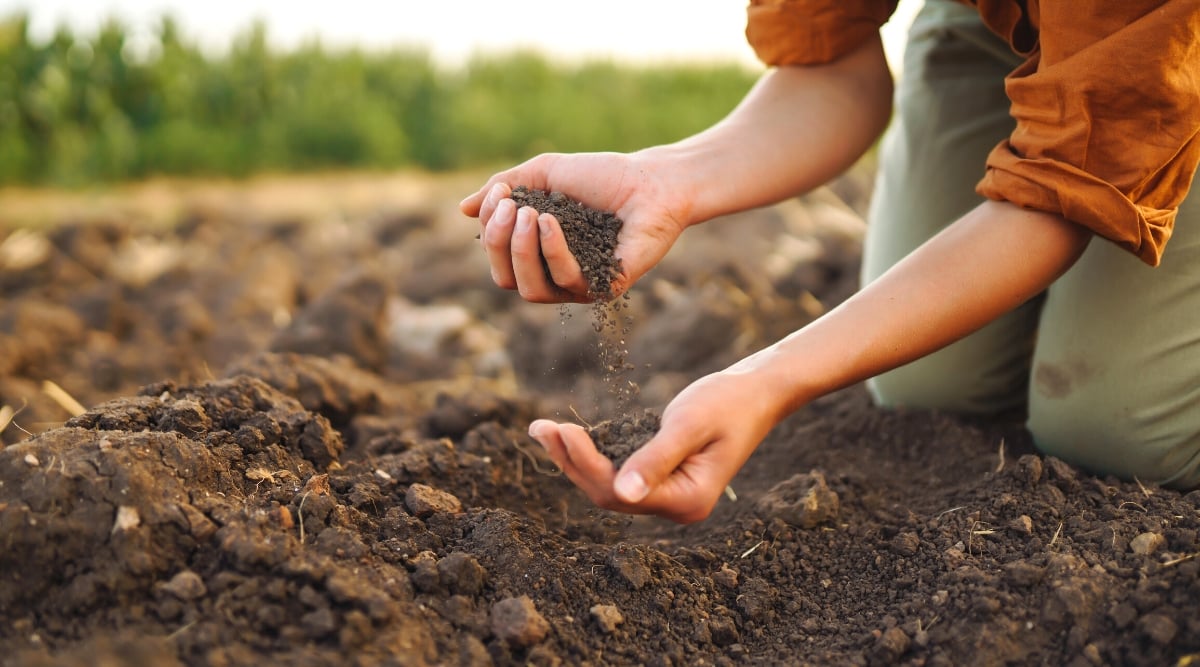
(637, 30)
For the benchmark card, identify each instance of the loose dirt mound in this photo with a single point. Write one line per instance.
(308, 446)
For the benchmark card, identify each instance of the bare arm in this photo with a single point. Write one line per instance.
(993, 259)
(798, 127)
(990, 261)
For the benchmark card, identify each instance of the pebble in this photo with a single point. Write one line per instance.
(461, 573)
(905, 544)
(726, 577)
(607, 616)
(1022, 524)
(1146, 543)
(186, 585)
(518, 622)
(424, 501)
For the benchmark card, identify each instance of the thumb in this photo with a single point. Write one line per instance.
(650, 466)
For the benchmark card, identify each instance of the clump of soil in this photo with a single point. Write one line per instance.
(591, 235)
(620, 437)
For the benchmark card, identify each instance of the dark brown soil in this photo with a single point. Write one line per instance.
(306, 444)
(620, 437)
(591, 235)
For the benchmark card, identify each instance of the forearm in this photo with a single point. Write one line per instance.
(990, 261)
(797, 129)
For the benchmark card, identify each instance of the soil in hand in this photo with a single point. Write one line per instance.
(619, 438)
(591, 235)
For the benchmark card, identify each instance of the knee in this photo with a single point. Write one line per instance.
(1106, 439)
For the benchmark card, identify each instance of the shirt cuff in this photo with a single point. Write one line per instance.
(1056, 187)
(812, 32)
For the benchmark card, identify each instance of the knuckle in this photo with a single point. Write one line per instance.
(524, 252)
(532, 294)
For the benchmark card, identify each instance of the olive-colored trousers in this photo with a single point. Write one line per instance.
(1107, 361)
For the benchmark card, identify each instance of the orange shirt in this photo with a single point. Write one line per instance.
(1107, 102)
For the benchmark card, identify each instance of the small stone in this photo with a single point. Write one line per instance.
(1092, 653)
(1029, 468)
(726, 577)
(723, 631)
(127, 518)
(1022, 524)
(607, 616)
(630, 566)
(461, 573)
(905, 544)
(32, 460)
(892, 644)
(424, 501)
(186, 585)
(317, 485)
(518, 622)
(1146, 543)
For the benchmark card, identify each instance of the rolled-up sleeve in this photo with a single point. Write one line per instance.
(1107, 112)
(812, 32)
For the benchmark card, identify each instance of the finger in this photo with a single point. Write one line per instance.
(496, 194)
(564, 268)
(497, 241)
(526, 250)
(471, 203)
(653, 464)
(550, 435)
(584, 455)
(593, 472)
(546, 433)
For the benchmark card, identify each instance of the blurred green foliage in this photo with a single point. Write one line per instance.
(84, 108)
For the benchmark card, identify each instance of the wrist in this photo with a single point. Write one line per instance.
(776, 385)
(679, 180)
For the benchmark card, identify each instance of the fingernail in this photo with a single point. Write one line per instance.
(535, 430)
(631, 487)
(522, 222)
(543, 227)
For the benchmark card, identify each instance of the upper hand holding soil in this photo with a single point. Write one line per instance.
(527, 248)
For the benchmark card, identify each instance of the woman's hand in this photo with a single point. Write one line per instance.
(517, 240)
(708, 431)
